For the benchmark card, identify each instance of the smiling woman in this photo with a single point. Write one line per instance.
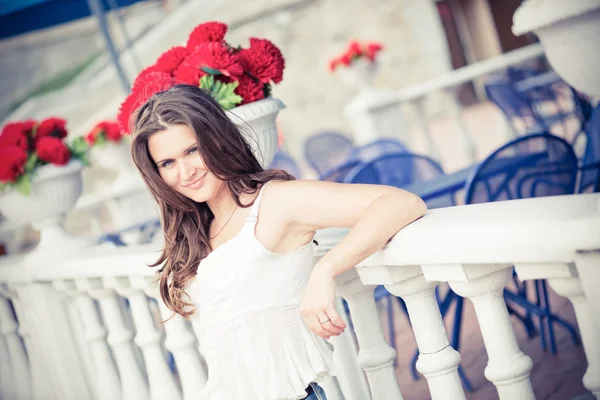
(260, 307)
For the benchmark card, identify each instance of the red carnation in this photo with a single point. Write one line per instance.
(14, 137)
(112, 131)
(213, 55)
(147, 77)
(52, 127)
(207, 32)
(354, 50)
(52, 150)
(250, 89)
(138, 97)
(263, 60)
(372, 50)
(12, 163)
(170, 59)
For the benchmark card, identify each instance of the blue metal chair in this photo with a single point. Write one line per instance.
(326, 150)
(378, 148)
(339, 173)
(589, 170)
(284, 161)
(539, 165)
(400, 169)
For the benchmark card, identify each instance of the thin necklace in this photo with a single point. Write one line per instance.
(223, 227)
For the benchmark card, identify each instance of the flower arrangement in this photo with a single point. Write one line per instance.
(27, 145)
(233, 75)
(354, 52)
(104, 132)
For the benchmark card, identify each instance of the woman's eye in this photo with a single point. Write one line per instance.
(166, 164)
(192, 150)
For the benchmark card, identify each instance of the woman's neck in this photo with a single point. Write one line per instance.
(222, 204)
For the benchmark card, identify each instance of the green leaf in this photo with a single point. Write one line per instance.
(31, 163)
(223, 93)
(79, 149)
(23, 184)
(210, 71)
(100, 140)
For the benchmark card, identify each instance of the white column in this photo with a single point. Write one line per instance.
(465, 137)
(182, 344)
(508, 368)
(572, 289)
(438, 361)
(19, 365)
(133, 383)
(148, 338)
(425, 128)
(375, 356)
(351, 377)
(588, 268)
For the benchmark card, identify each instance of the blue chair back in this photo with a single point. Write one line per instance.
(326, 150)
(530, 166)
(339, 173)
(590, 172)
(378, 148)
(400, 169)
(284, 161)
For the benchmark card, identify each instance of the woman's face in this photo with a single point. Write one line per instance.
(175, 153)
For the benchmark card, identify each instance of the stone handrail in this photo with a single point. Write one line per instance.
(72, 313)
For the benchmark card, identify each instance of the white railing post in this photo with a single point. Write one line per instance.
(465, 137)
(423, 122)
(133, 383)
(438, 361)
(181, 342)
(148, 338)
(508, 368)
(375, 356)
(588, 268)
(16, 365)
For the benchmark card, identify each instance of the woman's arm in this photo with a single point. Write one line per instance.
(373, 212)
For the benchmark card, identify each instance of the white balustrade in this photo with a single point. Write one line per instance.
(473, 248)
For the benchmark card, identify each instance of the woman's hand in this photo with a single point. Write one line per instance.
(318, 304)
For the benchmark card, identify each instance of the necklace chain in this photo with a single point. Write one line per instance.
(225, 224)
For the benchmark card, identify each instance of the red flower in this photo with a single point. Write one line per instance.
(207, 32)
(170, 60)
(52, 150)
(52, 127)
(333, 64)
(90, 138)
(17, 134)
(372, 50)
(138, 97)
(12, 163)
(109, 129)
(147, 77)
(212, 55)
(345, 60)
(263, 60)
(354, 50)
(250, 89)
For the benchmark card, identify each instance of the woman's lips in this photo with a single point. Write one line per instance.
(197, 184)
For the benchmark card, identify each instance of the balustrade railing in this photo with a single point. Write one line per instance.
(87, 326)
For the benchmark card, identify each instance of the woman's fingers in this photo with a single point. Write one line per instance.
(328, 328)
(335, 317)
(328, 325)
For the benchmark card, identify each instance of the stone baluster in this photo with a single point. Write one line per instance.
(423, 122)
(465, 136)
(133, 383)
(106, 384)
(508, 368)
(375, 356)
(148, 338)
(180, 341)
(588, 268)
(19, 365)
(438, 361)
(40, 387)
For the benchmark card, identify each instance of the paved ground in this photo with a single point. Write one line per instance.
(554, 377)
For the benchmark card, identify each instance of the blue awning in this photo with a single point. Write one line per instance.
(21, 16)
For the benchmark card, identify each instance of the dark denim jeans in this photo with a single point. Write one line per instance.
(317, 394)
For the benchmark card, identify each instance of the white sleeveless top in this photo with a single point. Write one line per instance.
(250, 331)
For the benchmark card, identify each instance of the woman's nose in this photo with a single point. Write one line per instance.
(186, 170)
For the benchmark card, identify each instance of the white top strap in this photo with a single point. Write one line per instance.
(253, 216)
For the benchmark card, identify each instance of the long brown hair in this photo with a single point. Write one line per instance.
(226, 154)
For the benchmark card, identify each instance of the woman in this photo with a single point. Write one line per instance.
(238, 247)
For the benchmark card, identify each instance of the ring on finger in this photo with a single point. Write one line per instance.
(325, 321)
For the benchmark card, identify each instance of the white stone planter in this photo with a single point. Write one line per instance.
(54, 191)
(358, 75)
(257, 122)
(570, 33)
(113, 156)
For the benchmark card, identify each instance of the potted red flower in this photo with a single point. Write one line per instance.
(240, 79)
(358, 63)
(40, 173)
(109, 147)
